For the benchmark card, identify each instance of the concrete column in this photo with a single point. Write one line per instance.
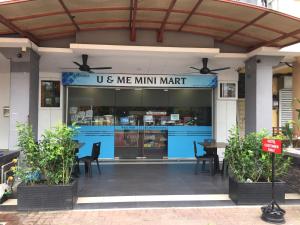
(296, 91)
(24, 90)
(258, 95)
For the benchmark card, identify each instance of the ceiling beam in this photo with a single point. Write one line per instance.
(245, 26)
(69, 14)
(190, 14)
(280, 38)
(163, 24)
(133, 21)
(215, 16)
(16, 29)
(131, 12)
(101, 21)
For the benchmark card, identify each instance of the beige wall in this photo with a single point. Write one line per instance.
(296, 89)
(4, 100)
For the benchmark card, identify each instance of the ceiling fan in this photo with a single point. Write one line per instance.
(206, 70)
(86, 68)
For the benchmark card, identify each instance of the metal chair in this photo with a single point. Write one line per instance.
(225, 166)
(89, 159)
(203, 159)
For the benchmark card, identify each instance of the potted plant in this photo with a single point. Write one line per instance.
(46, 178)
(250, 169)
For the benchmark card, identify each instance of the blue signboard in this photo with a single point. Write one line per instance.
(130, 80)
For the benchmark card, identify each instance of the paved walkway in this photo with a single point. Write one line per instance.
(166, 216)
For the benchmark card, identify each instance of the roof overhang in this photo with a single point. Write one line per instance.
(225, 21)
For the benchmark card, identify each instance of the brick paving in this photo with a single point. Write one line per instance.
(165, 216)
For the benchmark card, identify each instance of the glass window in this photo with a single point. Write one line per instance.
(227, 90)
(50, 93)
(129, 107)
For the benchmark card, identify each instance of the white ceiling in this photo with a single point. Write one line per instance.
(135, 61)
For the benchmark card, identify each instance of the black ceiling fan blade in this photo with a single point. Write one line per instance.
(289, 65)
(84, 59)
(77, 63)
(69, 68)
(102, 68)
(219, 69)
(194, 68)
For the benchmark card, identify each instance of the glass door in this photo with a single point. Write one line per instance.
(127, 142)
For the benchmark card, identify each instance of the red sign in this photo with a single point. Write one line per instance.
(272, 146)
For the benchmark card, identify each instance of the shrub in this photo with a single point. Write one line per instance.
(246, 160)
(51, 160)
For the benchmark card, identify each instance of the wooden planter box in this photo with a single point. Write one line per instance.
(46, 197)
(255, 193)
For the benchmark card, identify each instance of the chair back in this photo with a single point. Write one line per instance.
(195, 149)
(96, 150)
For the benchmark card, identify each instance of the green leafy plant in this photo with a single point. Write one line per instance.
(51, 160)
(247, 161)
(57, 154)
(288, 131)
(29, 146)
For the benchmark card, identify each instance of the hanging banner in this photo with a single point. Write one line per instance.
(133, 80)
(272, 146)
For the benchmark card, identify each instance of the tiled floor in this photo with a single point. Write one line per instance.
(159, 216)
(150, 179)
(150, 185)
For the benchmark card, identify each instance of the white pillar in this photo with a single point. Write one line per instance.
(258, 95)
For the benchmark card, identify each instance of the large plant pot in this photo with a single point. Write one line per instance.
(256, 192)
(46, 197)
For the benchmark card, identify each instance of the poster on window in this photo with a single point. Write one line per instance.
(228, 90)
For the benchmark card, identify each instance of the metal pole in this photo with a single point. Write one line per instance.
(273, 178)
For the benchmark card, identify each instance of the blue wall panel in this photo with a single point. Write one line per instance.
(180, 140)
(91, 134)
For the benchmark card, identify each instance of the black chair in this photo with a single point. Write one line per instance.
(213, 152)
(89, 159)
(225, 166)
(203, 159)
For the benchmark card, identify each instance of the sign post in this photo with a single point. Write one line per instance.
(272, 212)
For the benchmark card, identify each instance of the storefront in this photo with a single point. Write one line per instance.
(140, 116)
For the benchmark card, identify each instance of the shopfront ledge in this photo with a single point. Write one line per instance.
(294, 152)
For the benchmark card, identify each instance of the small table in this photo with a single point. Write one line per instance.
(211, 148)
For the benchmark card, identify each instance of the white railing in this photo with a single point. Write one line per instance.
(263, 3)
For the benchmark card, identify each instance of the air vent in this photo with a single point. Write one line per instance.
(285, 106)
